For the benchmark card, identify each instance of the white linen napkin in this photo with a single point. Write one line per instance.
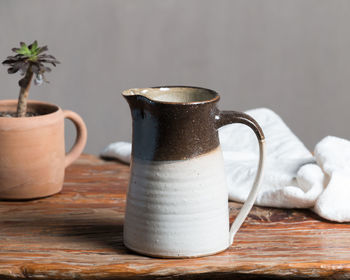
(294, 178)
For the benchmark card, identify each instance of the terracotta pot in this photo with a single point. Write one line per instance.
(32, 150)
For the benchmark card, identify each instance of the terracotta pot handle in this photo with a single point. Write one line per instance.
(81, 138)
(227, 117)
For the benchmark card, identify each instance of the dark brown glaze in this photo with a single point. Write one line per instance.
(170, 131)
(165, 130)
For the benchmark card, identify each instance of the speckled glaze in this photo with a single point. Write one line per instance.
(177, 203)
(32, 150)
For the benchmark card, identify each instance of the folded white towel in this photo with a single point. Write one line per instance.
(293, 177)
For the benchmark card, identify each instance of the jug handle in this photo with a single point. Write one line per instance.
(228, 117)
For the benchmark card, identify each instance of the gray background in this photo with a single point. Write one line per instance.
(290, 56)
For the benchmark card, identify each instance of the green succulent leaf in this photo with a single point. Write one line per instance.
(34, 46)
(34, 49)
(24, 50)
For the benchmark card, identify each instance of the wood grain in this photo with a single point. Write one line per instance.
(78, 234)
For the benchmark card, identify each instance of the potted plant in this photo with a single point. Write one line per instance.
(32, 149)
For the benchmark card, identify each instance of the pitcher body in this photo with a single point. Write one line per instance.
(178, 208)
(177, 201)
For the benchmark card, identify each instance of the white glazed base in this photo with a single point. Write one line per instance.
(178, 209)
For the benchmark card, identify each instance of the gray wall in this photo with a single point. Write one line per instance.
(290, 56)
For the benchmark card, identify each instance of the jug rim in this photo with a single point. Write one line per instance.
(141, 92)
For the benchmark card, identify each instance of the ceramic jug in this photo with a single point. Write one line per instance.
(177, 201)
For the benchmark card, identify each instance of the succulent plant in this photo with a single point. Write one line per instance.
(29, 61)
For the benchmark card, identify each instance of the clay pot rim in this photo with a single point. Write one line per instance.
(30, 122)
(13, 102)
(215, 97)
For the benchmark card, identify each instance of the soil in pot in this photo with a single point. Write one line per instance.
(14, 115)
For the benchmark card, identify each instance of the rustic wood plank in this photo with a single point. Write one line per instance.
(78, 234)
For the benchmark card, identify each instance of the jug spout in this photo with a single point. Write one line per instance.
(135, 97)
(142, 100)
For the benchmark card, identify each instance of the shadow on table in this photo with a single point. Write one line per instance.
(73, 232)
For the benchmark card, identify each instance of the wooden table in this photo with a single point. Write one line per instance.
(78, 234)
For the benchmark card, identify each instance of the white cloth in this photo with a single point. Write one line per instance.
(119, 150)
(294, 178)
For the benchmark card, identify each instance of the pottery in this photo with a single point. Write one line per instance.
(177, 201)
(32, 150)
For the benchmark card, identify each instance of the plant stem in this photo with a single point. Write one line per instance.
(23, 94)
